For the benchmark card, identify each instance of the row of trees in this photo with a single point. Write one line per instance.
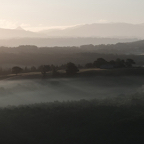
(72, 69)
(118, 63)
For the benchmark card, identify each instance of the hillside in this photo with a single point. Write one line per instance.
(120, 30)
(40, 41)
(18, 33)
(29, 55)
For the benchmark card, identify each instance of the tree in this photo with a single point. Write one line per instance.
(99, 62)
(16, 70)
(120, 63)
(129, 62)
(44, 69)
(71, 68)
(54, 71)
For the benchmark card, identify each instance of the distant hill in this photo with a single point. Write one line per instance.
(29, 55)
(119, 30)
(61, 42)
(104, 33)
(136, 48)
(99, 30)
(18, 33)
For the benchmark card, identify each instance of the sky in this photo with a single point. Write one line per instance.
(42, 14)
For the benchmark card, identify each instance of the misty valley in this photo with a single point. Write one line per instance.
(71, 72)
(95, 109)
(14, 91)
(75, 95)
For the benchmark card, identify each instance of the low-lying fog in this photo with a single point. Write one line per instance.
(16, 92)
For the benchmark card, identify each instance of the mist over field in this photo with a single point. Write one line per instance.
(17, 92)
(71, 72)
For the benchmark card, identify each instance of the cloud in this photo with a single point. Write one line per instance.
(25, 25)
(12, 24)
(7, 24)
(103, 21)
(40, 27)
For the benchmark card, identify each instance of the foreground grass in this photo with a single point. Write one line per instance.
(82, 122)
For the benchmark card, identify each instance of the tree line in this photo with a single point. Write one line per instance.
(72, 69)
(118, 63)
(136, 47)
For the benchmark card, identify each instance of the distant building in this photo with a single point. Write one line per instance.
(107, 66)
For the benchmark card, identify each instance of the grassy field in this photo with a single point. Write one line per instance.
(112, 72)
(80, 122)
(82, 73)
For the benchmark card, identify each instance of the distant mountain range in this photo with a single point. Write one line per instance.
(119, 30)
(104, 33)
(18, 33)
(106, 30)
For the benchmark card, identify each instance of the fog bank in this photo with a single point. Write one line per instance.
(17, 92)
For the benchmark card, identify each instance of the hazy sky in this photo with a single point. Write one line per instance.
(37, 14)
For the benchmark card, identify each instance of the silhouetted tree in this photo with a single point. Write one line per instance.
(71, 68)
(44, 69)
(120, 63)
(55, 71)
(129, 62)
(16, 70)
(99, 62)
